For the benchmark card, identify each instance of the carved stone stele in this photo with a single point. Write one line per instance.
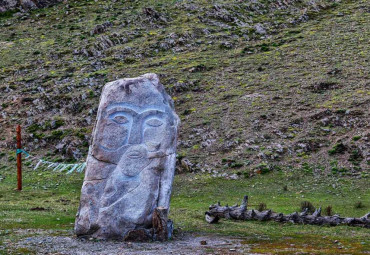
(131, 161)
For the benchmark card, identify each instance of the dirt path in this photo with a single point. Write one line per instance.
(43, 243)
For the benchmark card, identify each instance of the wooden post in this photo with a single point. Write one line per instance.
(19, 158)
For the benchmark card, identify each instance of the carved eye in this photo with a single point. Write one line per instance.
(154, 123)
(120, 119)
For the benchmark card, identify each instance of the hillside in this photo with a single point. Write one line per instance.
(258, 85)
(277, 90)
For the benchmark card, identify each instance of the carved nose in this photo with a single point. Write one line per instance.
(152, 146)
(135, 134)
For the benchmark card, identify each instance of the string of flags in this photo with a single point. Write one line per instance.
(55, 166)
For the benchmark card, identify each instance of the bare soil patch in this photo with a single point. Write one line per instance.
(182, 244)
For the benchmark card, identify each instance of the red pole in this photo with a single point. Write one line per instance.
(19, 158)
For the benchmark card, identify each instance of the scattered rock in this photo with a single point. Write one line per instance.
(226, 45)
(101, 28)
(185, 166)
(260, 29)
(324, 85)
(154, 15)
(25, 5)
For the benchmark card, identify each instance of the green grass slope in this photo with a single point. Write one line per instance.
(262, 85)
(278, 90)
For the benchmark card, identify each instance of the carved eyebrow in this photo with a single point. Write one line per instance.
(151, 112)
(121, 109)
(126, 107)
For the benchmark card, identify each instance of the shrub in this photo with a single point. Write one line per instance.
(308, 205)
(355, 156)
(246, 174)
(236, 164)
(58, 122)
(263, 168)
(262, 207)
(356, 138)
(329, 210)
(359, 205)
(33, 128)
(339, 148)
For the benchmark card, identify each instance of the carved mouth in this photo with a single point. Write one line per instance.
(135, 154)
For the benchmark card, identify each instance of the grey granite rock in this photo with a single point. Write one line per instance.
(25, 5)
(131, 161)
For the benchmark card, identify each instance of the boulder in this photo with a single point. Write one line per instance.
(131, 161)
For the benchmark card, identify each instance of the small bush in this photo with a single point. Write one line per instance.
(309, 205)
(129, 60)
(56, 134)
(11, 158)
(339, 148)
(7, 14)
(225, 160)
(356, 138)
(236, 164)
(263, 168)
(307, 168)
(33, 128)
(262, 207)
(180, 156)
(355, 156)
(58, 122)
(359, 205)
(246, 174)
(38, 135)
(329, 210)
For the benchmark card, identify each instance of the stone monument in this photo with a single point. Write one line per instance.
(131, 161)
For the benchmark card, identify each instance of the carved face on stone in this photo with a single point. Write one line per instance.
(135, 121)
(131, 161)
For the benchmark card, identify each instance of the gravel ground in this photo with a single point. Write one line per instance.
(44, 243)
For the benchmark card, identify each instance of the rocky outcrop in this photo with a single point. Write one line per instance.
(25, 5)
